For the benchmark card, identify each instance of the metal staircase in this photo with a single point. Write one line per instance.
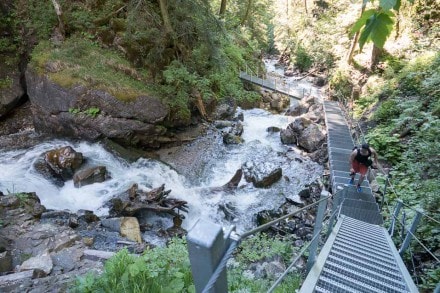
(359, 255)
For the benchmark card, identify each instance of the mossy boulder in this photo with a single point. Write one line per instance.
(87, 113)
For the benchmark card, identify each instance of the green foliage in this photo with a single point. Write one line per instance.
(5, 82)
(81, 61)
(37, 17)
(431, 279)
(376, 27)
(157, 270)
(261, 247)
(92, 111)
(302, 59)
(22, 197)
(383, 142)
(256, 249)
(387, 111)
(340, 84)
(167, 269)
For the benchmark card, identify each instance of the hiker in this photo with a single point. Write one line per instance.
(360, 161)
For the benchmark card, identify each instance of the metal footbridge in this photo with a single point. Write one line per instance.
(273, 85)
(359, 255)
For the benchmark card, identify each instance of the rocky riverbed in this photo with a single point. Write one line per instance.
(43, 250)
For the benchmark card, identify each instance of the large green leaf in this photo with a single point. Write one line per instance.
(382, 29)
(398, 4)
(361, 21)
(387, 4)
(377, 29)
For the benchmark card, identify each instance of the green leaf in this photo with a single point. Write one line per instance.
(387, 4)
(175, 285)
(365, 34)
(361, 21)
(398, 4)
(377, 29)
(382, 29)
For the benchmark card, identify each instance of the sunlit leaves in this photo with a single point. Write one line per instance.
(376, 27)
(387, 4)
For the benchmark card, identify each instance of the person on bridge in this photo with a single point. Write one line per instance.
(360, 161)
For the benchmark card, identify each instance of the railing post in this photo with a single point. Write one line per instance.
(395, 214)
(317, 229)
(384, 192)
(412, 230)
(206, 247)
(336, 203)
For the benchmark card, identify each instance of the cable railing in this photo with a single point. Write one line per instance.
(229, 242)
(419, 213)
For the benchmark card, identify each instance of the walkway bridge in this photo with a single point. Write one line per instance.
(274, 85)
(358, 254)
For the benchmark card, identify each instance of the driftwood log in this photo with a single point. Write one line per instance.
(155, 200)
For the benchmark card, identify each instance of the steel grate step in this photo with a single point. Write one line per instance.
(372, 217)
(394, 279)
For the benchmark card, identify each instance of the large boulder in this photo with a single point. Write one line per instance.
(305, 133)
(262, 174)
(64, 161)
(11, 91)
(311, 138)
(86, 113)
(90, 175)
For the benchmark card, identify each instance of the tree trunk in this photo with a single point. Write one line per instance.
(355, 40)
(248, 11)
(305, 6)
(222, 8)
(165, 17)
(352, 48)
(397, 25)
(375, 55)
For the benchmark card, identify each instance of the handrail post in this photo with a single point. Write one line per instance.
(412, 230)
(336, 204)
(384, 192)
(395, 214)
(206, 246)
(318, 224)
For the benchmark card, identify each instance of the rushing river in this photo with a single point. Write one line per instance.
(17, 174)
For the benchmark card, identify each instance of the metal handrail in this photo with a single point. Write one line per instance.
(220, 267)
(264, 226)
(278, 281)
(238, 238)
(412, 234)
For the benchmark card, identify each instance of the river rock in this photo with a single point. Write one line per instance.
(90, 175)
(63, 162)
(41, 262)
(5, 262)
(127, 226)
(262, 174)
(225, 111)
(311, 138)
(229, 138)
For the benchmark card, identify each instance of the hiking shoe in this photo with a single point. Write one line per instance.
(359, 188)
(351, 182)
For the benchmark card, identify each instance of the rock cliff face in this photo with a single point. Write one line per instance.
(90, 114)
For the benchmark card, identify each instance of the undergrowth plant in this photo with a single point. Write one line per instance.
(167, 269)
